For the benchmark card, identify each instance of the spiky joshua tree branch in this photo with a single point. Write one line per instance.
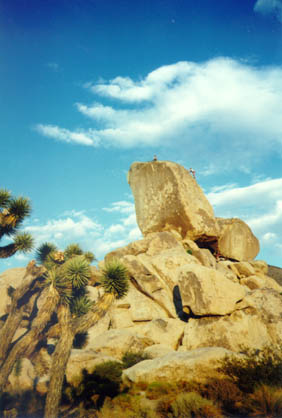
(13, 211)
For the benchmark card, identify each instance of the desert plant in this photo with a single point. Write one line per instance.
(266, 401)
(130, 358)
(95, 386)
(157, 389)
(126, 406)
(225, 393)
(13, 211)
(255, 367)
(115, 278)
(192, 404)
(115, 283)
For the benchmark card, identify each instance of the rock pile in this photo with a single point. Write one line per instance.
(186, 307)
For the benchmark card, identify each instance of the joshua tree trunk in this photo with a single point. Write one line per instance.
(82, 324)
(63, 348)
(27, 344)
(16, 313)
(59, 363)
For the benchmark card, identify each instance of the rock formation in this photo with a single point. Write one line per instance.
(186, 306)
(167, 197)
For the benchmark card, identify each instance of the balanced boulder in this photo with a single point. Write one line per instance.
(168, 198)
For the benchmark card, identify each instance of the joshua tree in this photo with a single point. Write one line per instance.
(55, 287)
(58, 286)
(12, 213)
(77, 316)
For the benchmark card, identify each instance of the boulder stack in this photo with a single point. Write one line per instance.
(196, 293)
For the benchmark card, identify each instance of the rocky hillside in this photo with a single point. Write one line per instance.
(196, 291)
(275, 273)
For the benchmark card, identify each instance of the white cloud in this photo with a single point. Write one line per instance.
(92, 235)
(67, 228)
(260, 206)
(121, 207)
(269, 7)
(229, 101)
(261, 194)
(65, 135)
(268, 220)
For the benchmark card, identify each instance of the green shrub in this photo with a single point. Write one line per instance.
(224, 393)
(132, 409)
(94, 387)
(130, 358)
(188, 405)
(266, 401)
(157, 389)
(255, 368)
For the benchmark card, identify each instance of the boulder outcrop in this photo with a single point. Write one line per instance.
(167, 197)
(195, 365)
(236, 240)
(195, 292)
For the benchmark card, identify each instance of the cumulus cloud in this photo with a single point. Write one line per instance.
(222, 100)
(92, 235)
(261, 195)
(67, 227)
(65, 135)
(260, 205)
(266, 7)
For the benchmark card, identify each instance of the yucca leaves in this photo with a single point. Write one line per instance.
(43, 251)
(14, 211)
(5, 196)
(72, 250)
(77, 271)
(23, 242)
(80, 305)
(90, 257)
(115, 278)
(61, 284)
(20, 208)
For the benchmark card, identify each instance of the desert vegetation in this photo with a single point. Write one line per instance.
(53, 300)
(13, 211)
(100, 393)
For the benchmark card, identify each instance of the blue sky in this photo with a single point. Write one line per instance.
(89, 86)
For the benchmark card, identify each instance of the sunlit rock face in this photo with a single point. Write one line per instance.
(236, 240)
(168, 198)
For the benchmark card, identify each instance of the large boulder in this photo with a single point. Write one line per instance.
(236, 240)
(208, 292)
(116, 342)
(255, 324)
(168, 198)
(233, 332)
(197, 365)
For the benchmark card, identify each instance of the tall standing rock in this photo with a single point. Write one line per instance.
(167, 198)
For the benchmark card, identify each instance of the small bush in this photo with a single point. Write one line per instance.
(255, 368)
(130, 358)
(92, 389)
(157, 389)
(225, 393)
(126, 406)
(266, 401)
(188, 405)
